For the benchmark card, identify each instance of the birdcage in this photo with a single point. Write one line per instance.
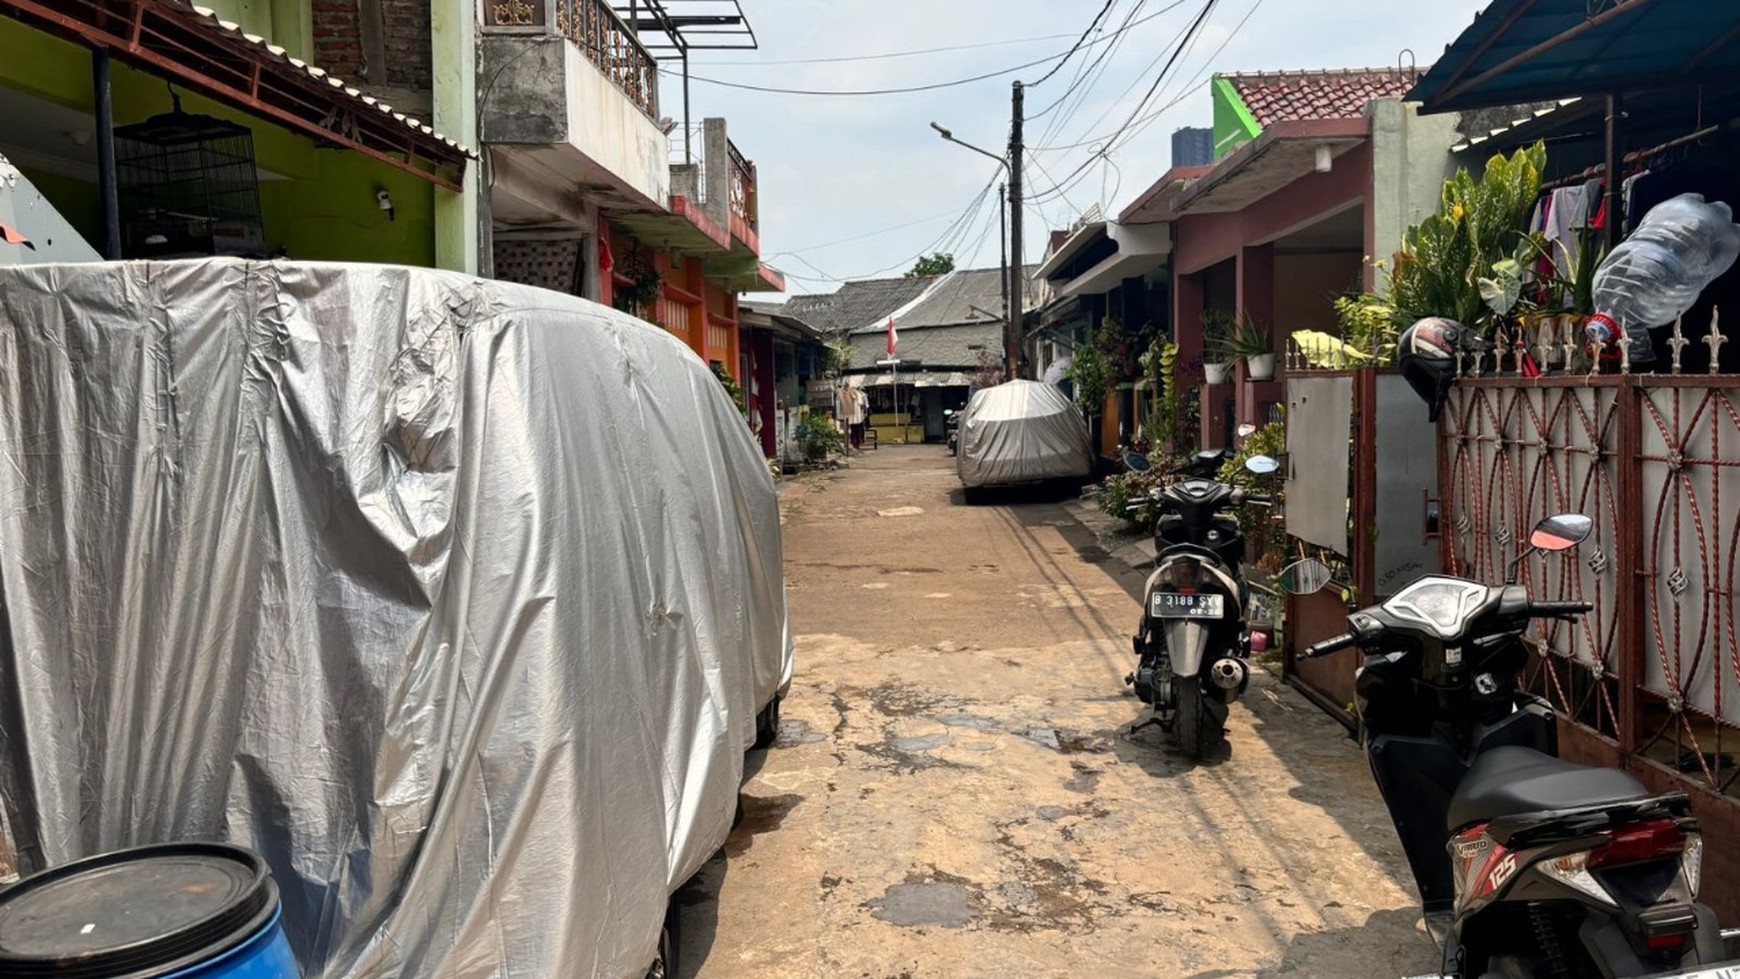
(188, 187)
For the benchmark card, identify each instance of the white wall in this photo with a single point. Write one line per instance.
(612, 131)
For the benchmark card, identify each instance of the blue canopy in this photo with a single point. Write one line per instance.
(1519, 51)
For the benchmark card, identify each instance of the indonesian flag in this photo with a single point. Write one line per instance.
(893, 337)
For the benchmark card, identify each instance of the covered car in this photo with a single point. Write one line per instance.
(455, 599)
(1022, 432)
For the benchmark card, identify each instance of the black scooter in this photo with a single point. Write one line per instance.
(1527, 866)
(952, 424)
(1191, 643)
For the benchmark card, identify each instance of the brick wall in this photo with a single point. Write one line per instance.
(345, 30)
(338, 37)
(406, 34)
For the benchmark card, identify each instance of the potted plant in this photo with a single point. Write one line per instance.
(1250, 343)
(1217, 332)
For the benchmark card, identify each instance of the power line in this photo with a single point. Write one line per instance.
(940, 243)
(1102, 39)
(1123, 130)
(885, 56)
(1078, 43)
(1146, 120)
(861, 237)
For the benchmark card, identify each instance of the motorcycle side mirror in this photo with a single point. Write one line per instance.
(1247, 430)
(1560, 532)
(1262, 465)
(1137, 462)
(1305, 577)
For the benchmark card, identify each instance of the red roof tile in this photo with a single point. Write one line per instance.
(1341, 93)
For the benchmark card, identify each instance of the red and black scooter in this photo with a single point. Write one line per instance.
(1527, 866)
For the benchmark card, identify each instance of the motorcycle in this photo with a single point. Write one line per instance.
(952, 424)
(1192, 642)
(1526, 865)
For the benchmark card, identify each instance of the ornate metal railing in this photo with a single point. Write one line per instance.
(607, 41)
(743, 190)
(1655, 459)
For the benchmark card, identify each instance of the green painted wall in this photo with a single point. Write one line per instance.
(325, 211)
(1234, 126)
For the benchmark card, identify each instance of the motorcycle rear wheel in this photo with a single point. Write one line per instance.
(1191, 717)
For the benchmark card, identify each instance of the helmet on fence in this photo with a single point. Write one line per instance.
(1427, 353)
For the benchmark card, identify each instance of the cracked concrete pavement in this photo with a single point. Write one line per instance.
(955, 791)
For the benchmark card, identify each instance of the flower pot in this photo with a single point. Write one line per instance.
(1214, 373)
(1261, 367)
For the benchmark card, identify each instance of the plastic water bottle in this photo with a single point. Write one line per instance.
(1654, 276)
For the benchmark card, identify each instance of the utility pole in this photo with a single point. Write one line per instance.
(1016, 324)
(1003, 259)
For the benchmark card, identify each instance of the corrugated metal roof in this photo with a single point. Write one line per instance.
(1530, 50)
(951, 301)
(322, 75)
(865, 303)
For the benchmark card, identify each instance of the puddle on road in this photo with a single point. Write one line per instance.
(761, 814)
(928, 742)
(917, 903)
(793, 733)
(1068, 742)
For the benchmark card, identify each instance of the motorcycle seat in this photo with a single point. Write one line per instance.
(1511, 781)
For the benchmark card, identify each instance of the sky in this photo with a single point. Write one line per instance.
(858, 186)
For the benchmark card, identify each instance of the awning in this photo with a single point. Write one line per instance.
(1520, 51)
(1141, 249)
(1083, 236)
(1284, 152)
(193, 47)
(918, 379)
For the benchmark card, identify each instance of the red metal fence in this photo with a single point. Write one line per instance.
(1651, 679)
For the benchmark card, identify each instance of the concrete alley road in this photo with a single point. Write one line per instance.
(954, 793)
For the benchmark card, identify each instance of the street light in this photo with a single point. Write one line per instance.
(1003, 208)
(950, 136)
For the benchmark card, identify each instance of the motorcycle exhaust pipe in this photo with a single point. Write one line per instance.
(1229, 674)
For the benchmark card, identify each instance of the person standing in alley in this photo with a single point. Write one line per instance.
(857, 413)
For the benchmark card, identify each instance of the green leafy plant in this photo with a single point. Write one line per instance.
(819, 438)
(1248, 339)
(941, 263)
(1580, 287)
(1264, 535)
(1368, 325)
(1098, 364)
(836, 358)
(1217, 333)
(639, 297)
(1441, 263)
(731, 386)
(1119, 491)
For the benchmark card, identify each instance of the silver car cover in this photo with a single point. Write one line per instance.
(455, 599)
(1020, 432)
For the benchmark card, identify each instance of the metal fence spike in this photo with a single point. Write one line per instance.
(1624, 343)
(1715, 339)
(1678, 341)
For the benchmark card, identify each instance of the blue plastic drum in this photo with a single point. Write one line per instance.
(181, 910)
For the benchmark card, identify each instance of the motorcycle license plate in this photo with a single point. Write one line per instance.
(1729, 971)
(1171, 605)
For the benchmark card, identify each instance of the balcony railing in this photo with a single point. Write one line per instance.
(596, 29)
(743, 190)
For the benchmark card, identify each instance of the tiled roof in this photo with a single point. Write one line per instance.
(865, 303)
(1338, 93)
(951, 302)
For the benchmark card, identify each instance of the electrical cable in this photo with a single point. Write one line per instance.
(885, 56)
(1078, 43)
(1148, 119)
(1112, 143)
(951, 233)
(1102, 39)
